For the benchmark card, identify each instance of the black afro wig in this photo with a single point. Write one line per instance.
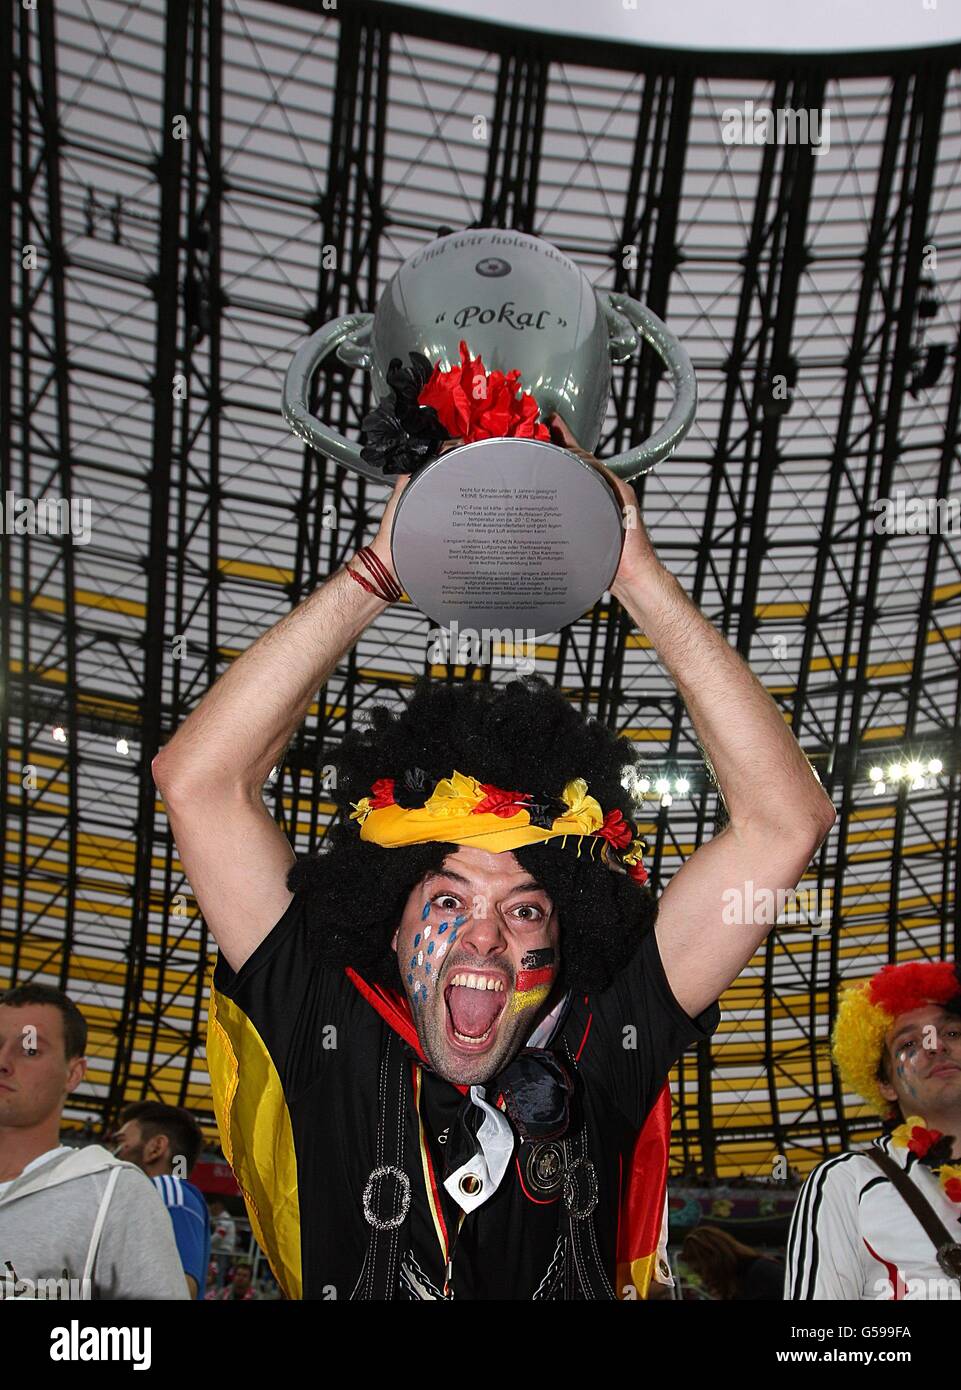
(521, 736)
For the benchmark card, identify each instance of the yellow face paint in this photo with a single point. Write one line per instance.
(529, 999)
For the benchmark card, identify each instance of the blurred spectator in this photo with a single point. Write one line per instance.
(241, 1285)
(74, 1223)
(165, 1142)
(223, 1240)
(729, 1269)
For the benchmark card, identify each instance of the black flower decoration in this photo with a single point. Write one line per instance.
(543, 812)
(939, 1152)
(408, 382)
(411, 790)
(400, 435)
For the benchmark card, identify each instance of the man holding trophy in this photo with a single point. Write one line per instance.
(439, 1048)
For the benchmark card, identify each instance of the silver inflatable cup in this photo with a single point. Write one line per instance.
(509, 532)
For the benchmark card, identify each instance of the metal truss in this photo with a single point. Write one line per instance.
(202, 184)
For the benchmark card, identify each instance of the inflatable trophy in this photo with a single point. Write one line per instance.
(477, 341)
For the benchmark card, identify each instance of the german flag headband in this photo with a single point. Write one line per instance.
(463, 811)
(869, 1007)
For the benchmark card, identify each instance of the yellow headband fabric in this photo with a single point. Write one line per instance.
(449, 814)
(392, 826)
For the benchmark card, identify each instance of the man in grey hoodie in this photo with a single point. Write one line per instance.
(74, 1223)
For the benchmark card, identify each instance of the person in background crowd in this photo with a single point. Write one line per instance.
(241, 1285)
(223, 1240)
(897, 1043)
(74, 1223)
(165, 1142)
(729, 1269)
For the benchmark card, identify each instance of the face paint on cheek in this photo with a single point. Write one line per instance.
(421, 962)
(532, 999)
(537, 968)
(903, 1076)
(534, 980)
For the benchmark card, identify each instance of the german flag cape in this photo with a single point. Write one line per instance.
(642, 1204)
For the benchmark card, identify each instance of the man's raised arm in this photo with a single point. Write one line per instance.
(779, 813)
(212, 772)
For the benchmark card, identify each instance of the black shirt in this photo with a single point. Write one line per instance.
(325, 1040)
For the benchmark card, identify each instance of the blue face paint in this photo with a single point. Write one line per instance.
(902, 1074)
(419, 966)
(442, 928)
(459, 921)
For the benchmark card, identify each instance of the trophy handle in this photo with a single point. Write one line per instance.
(350, 336)
(624, 315)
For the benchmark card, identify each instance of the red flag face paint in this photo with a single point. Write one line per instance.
(533, 982)
(537, 969)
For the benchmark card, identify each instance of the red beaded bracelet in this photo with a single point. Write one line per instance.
(379, 570)
(365, 582)
(372, 589)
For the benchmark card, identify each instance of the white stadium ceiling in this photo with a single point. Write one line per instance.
(818, 26)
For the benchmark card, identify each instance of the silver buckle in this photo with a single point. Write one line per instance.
(379, 1223)
(570, 1195)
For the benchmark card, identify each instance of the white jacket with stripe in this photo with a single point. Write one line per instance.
(854, 1237)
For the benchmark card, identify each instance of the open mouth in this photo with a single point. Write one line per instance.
(474, 1003)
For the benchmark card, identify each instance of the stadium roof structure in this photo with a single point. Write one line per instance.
(192, 187)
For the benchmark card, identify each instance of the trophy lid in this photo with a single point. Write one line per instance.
(518, 303)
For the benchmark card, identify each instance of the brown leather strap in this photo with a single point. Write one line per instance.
(947, 1247)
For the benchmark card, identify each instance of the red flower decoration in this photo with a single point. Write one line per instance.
(382, 793)
(500, 803)
(923, 1139)
(638, 873)
(953, 1189)
(616, 830)
(472, 403)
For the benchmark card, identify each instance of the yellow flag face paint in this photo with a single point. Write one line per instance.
(530, 999)
(534, 979)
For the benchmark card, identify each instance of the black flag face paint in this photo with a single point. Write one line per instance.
(534, 979)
